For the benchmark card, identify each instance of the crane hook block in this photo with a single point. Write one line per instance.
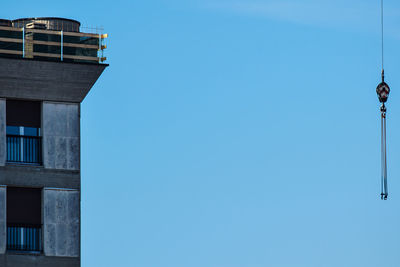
(383, 91)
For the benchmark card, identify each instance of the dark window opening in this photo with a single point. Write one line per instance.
(24, 143)
(23, 113)
(24, 219)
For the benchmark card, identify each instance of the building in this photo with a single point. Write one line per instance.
(47, 67)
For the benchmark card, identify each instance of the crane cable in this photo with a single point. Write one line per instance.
(382, 37)
(384, 189)
(383, 93)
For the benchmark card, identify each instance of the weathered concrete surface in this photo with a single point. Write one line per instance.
(3, 219)
(44, 80)
(61, 225)
(30, 176)
(3, 151)
(61, 131)
(25, 260)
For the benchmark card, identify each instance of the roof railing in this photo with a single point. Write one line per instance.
(35, 42)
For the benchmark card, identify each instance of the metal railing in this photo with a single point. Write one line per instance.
(24, 149)
(55, 45)
(24, 238)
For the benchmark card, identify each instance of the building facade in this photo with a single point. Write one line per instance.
(47, 67)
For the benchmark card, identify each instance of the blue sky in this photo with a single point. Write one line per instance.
(237, 133)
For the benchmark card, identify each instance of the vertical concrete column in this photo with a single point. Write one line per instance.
(61, 132)
(3, 152)
(3, 219)
(61, 225)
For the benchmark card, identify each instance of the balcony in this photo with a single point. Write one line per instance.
(24, 149)
(24, 239)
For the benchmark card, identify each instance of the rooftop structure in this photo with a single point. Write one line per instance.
(53, 39)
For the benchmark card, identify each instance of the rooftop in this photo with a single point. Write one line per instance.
(50, 39)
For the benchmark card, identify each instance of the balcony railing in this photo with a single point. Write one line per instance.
(27, 239)
(24, 149)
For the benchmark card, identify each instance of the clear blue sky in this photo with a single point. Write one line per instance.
(237, 133)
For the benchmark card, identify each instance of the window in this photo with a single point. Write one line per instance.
(24, 144)
(24, 223)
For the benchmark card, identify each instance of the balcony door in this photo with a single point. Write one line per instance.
(24, 144)
(24, 219)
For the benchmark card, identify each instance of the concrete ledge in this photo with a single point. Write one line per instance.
(24, 260)
(45, 80)
(31, 176)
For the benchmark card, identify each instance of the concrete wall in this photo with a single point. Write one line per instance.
(61, 225)
(61, 132)
(3, 152)
(3, 219)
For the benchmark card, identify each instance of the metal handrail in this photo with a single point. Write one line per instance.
(81, 34)
(24, 238)
(30, 136)
(24, 149)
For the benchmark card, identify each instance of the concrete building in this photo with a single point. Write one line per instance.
(47, 67)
